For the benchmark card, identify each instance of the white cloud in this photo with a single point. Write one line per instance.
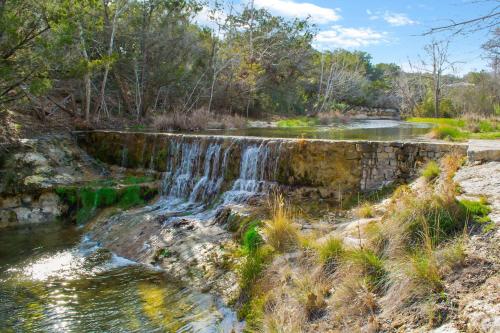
(339, 36)
(394, 19)
(398, 19)
(288, 8)
(207, 17)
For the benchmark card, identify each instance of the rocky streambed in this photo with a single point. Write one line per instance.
(175, 202)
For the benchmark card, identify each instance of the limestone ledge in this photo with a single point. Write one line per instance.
(324, 168)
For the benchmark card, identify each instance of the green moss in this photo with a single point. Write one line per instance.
(131, 197)
(133, 180)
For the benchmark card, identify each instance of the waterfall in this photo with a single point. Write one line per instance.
(196, 171)
(257, 172)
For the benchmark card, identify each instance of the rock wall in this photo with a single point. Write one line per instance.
(323, 168)
(30, 170)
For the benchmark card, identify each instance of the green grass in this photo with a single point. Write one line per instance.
(331, 251)
(252, 239)
(371, 263)
(450, 133)
(431, 170)
(298, 122)
(460, 129)
(476, 209)
(439, 121)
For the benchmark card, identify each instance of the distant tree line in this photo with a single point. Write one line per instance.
(137, 59)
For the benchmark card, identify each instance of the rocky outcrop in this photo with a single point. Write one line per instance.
(31, 170)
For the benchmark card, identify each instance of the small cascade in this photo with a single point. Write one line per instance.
(257, 173)
(196, 170)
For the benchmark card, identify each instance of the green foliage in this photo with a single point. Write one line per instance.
(131, 197)
(439, 121)
(444, 132)
(253, 264)
(85, 201)
(431, 170)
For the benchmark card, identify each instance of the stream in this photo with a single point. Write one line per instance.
(54, 279)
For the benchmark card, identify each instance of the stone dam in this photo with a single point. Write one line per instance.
(204, 168)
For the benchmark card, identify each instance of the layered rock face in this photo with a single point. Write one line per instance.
(204, 167)
(31, 170)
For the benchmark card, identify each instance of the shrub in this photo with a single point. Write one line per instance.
(431, 170)
(330, 251)
(280, 232)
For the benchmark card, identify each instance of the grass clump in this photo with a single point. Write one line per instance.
(366, 210)
(331, 251)
(445, 132)
(371, 265)
(431, 170)
(252, 239)
(475, 209)
(279, 230)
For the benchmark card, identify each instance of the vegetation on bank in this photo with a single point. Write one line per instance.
(290, 278)
(461, 129)
(92, 64)
(85, 201)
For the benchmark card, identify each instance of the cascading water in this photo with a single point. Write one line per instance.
(257, 171)
(196, 171)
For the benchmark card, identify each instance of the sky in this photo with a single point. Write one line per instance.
(390, 30)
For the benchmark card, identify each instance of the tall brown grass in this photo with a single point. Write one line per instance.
(197, 119)
(279, 230)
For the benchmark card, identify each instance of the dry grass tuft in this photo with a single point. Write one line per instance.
(366, 210)
(280, 231)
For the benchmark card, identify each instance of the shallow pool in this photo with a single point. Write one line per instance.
(53, 279)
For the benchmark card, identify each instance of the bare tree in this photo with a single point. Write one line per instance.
(492, 48)
(438, 62)
(489, 20)
(120, 7)
(339, 83)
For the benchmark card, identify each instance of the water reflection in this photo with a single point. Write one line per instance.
(53, 281)
(384, 130)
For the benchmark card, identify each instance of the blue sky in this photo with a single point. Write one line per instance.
(389, 30)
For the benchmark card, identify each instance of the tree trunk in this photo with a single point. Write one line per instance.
(86, 77)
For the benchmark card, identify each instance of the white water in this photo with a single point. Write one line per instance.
(196, 175)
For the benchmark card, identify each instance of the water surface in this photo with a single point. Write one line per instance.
(53, 279)
(383, 130)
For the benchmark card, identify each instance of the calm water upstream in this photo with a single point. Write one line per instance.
(383, 130)
(52, 279)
